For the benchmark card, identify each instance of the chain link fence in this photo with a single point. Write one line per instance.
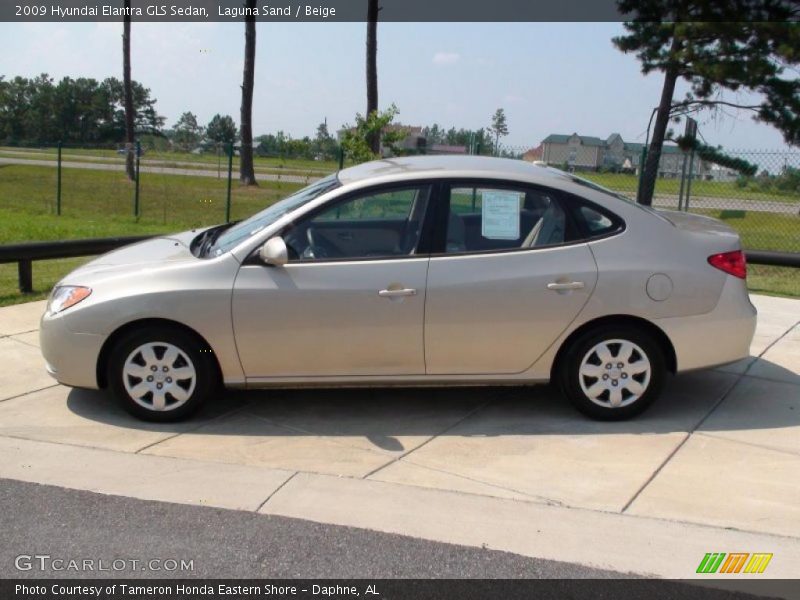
(88, 189)
(760, 198)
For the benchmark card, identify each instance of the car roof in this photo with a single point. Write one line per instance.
(452, 165)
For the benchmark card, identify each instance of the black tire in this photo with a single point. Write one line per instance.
(193, 353)
(569, 375)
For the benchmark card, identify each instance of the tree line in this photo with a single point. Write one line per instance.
(40, 110)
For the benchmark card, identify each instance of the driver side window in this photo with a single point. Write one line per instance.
(385, 223)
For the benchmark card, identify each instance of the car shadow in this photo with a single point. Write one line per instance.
(383, 415)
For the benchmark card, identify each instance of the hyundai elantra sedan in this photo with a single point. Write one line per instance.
(411, 271)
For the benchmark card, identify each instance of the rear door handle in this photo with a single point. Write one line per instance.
(571, 285)
(397, 293)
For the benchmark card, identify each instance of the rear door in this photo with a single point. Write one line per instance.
(509, 276)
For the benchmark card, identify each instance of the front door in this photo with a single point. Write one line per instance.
(511, 279)
(350, 301)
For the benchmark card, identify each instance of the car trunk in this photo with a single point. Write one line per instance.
(719, 236)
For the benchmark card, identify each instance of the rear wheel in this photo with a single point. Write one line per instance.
(161, 374)
(612, 373)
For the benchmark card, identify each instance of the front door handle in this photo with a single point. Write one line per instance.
(570, 285)
(397, 293)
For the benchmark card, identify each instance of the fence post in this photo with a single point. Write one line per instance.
(689, 183)
(25, 271)
(58, 182)
(230, 179)
(138, 150)
(642, 161)
(683, 181)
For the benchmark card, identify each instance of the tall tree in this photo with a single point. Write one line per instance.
(355, 140)
(247, 175)
(499, 127)
(715, 46)
(128, 90)
(324, 144)
(221, 130)
(374, 140)
(187, 133)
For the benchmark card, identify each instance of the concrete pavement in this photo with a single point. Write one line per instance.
(714, 466)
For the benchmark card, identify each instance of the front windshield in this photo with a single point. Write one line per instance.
(249, 227)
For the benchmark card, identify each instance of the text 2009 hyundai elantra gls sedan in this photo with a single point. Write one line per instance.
(412, 271)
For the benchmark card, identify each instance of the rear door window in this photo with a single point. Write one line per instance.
(485, 218)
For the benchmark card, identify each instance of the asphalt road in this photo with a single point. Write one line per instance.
(68, 524)
(40, 519)
(67, 164)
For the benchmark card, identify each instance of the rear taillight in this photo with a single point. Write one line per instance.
(733, 263)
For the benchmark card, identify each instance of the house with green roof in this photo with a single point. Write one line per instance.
(589, 153)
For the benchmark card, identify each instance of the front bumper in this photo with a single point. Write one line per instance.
(718, 337)
(71, 358)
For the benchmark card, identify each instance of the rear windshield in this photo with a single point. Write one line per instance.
(599, 188)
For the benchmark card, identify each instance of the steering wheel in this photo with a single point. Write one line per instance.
(317, 247)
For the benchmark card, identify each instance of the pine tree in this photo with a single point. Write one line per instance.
(715, 46)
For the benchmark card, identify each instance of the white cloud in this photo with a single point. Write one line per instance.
(446, 58)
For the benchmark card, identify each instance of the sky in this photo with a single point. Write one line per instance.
(549, 77)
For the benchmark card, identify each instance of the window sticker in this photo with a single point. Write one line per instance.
(500, 215)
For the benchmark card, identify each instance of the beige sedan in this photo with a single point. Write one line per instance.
(413, 271)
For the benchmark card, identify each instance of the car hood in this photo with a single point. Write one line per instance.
(152, 253)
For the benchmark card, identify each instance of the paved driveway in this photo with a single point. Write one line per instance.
(715, 461)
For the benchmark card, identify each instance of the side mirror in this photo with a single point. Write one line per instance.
(274, 252)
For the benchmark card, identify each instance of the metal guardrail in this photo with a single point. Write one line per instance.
(24, 254)
(775, 259)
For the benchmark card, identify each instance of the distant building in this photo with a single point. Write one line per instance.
(720, 173)
(414, 139)
(446, 149)
(534, 154)
(588, 153)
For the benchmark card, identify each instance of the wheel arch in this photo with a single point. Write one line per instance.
(123, 330)
(619, 320)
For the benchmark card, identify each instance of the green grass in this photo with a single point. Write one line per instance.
(46, 273)
(99, 204)
(762, 230)
(208, 160)
(221, 168)
(628, 183)
(773, 281)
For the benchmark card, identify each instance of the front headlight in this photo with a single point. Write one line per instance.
(65, 296)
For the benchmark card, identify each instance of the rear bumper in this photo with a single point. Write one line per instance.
(71, 358)
(717, 337)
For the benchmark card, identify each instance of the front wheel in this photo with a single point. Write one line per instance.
(612, 373)
(161, 374)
